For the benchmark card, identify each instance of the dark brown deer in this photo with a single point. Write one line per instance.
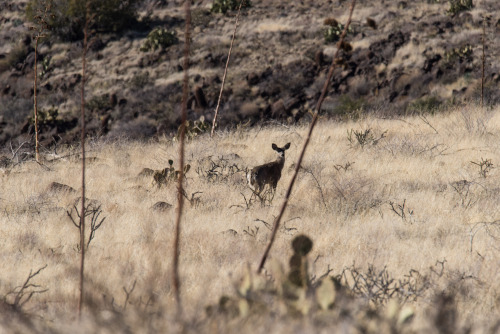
(269, 173)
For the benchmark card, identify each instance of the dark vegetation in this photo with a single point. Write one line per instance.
(366, 81)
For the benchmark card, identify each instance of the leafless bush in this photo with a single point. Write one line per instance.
(22, 294)
(379, 286)
(363, 138)
(492, 229)
(485, 166)
(402, 211)
(463, 189)
(344, 167)
(91, 210)
(218, 169)
(411, 146)
(194, 200)
(353, 194)
(251, 231)
(317, 182)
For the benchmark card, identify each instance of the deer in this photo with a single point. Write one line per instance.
(267, 174)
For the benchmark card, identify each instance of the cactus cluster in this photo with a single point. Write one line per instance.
(457, 6)
(159, 38)
(195, 128)
(333, 30)
(223, 6)
(166, 175)
(296, 294)
(46, 116)
(301, 245)
(462, 53)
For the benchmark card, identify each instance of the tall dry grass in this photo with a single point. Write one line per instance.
(277, 221)
(341, 200)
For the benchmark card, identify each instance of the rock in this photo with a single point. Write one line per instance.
(146, 172)
(319, 58)
(5, 162)
(113, 100)
(371, 23)
(56, 187)
(278, 109)
(230, 232)
(430, 62)
(201, 101)
(161, 206)
(252, 78)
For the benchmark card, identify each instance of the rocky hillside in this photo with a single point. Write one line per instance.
(401, 57)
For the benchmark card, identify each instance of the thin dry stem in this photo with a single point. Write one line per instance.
(225, 70)
(35, 105)
(306, 143)
(180, 190)
(42, 26)
(483, 62)
(82, 139)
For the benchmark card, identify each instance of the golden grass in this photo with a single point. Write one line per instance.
(348, 216)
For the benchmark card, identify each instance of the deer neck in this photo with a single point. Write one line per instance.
(281, 162)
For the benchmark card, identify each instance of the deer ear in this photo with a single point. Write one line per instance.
(287, 146)
(274, 147)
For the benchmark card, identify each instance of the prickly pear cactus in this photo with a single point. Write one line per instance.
(301, 245)
(166, 175)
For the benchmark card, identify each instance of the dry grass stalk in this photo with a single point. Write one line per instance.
(483, 40)
(306, 143)
(225, 69)
(42, 26)
(82, 139)
(180, 190)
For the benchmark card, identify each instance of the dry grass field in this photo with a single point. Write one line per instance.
(417, 194)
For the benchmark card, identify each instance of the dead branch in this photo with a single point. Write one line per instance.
(25, 292)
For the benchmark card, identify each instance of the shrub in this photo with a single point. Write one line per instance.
(68, 16)
(348, 107)
(16, 56)
(334, 30)
(200, 17)
(428, 104)
(462, 54)
(99, 102)
(46, 117)
(223, 6)
(196, 128)
(169, 174)
(159, 38)
(457, 6)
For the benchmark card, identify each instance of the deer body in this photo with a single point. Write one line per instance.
(269, 173)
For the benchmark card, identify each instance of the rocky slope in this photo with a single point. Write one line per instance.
(402, 57)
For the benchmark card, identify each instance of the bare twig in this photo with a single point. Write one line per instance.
(488, 227)
(22, 295)
(225, 69)
(318, 185)
(401, 210)
(82, 139)
(426, 121)
(127, 294)
(252, 232)
(483, 40)
(306, 143)
(266, 224)
(180, 190)
(42, 26)
(14, 153)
